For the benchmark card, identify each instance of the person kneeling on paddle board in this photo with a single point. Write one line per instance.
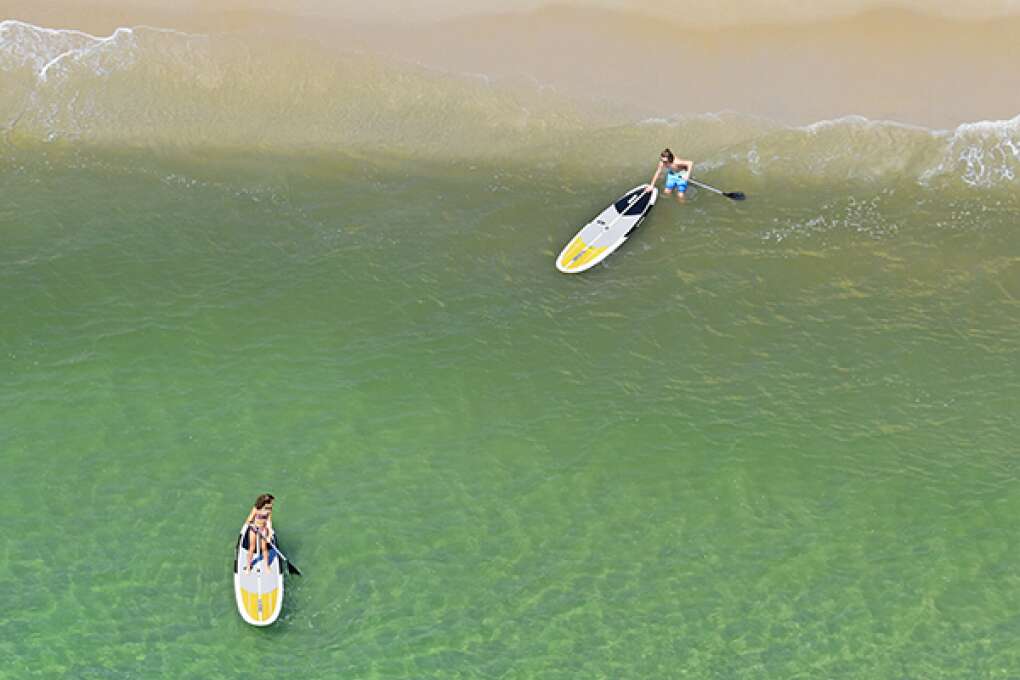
(678, 171)
(260, 528)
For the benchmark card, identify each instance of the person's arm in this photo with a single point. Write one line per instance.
(688, 168)
(251, 516)
(655, 177)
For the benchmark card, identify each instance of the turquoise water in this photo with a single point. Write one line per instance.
(740, 449)
(770, 439)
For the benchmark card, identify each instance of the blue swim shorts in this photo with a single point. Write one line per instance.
(675, 180)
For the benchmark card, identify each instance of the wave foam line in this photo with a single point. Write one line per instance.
(14, 34)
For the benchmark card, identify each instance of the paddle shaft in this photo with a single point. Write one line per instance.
(279, 552)
(705, 186)
(733, 195)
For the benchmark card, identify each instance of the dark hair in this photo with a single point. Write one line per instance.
(668, 154)
(263, 500)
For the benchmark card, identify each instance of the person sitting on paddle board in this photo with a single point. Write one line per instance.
(260, 527)
(678, 171)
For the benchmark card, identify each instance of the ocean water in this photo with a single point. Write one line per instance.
(768, 439)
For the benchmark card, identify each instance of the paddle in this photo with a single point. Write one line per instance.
(733, 195)
(291, 567)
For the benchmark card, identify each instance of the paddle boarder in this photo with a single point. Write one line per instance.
(260, 527)
(678, 170)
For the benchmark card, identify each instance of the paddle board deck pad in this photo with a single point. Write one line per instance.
(259, 590)
(599, 238)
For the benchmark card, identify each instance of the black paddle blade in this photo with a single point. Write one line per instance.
(735, 195)
(291, 569)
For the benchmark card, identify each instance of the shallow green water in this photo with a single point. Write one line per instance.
(774, 439)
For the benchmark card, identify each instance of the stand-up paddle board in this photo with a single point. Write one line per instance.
(259, 590)
(607, 232)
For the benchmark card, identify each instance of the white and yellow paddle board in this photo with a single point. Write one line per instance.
(607, 232)
(259, 590)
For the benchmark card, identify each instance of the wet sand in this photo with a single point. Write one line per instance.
(888, 64)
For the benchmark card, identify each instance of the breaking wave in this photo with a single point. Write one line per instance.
(152, 87)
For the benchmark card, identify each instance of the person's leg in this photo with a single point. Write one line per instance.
(252, 538)
(270, 553)
(265, 555)
(681, 191)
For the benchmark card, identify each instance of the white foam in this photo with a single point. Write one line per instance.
(46, 49)
(983, 153)
(82, 52)
(858, 121)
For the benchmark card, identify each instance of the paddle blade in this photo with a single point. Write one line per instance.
(291, 569)
(735, 195)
